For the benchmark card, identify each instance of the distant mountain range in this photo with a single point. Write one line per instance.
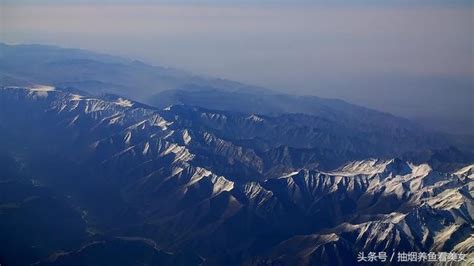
(96, 73)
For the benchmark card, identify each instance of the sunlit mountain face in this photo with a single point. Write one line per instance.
(107, 161)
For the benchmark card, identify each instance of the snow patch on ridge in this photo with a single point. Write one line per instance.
(375, 166)
(198, 175)
(146, 148)
(221, 184)
(255, 118)
(43, 88)
(123, 102)
(290, 174)
(466, 171)
(186, 137)
(40, 90)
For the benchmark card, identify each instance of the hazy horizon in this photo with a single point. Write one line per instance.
(409, 58)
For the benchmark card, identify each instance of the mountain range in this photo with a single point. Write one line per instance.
(114, 162)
